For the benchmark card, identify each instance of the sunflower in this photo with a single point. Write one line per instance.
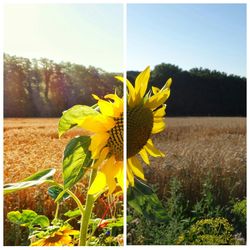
(61, 237)
(106, 143)
(145, 116)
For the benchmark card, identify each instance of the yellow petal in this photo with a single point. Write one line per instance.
(160, 112)
(158, 119)
(160, 96)
(38, 242)
(102, 156)
(118, 166)
(117, 105)
(130, 176)
(155, 90)
(98, 123)
(152, 150)
(107, 108)
(113, 97)
(119, 175)
(99, 184)
(98, 142)
(108, 123)
(141, 84)
(131, 91)
(96, 97)
(110, 172)
(136, 167)
(157, 100)
(168, 83)
(158, 127)
(144, 156)
(111, 185)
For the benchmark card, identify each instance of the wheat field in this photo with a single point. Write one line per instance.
(194, 148)
(198, 147)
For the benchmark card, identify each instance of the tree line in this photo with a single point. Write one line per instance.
(43, 88)
(199, 91)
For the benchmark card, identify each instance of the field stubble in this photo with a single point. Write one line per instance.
(198, 147)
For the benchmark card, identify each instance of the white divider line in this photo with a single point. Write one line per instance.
(125, 122)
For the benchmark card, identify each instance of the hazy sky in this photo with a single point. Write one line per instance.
(188, 35)
(80, 33)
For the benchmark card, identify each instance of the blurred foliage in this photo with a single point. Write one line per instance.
(142, 231)
(43, 88)
(239, 216)
(240, 209)
(144, 200)
(214, 231)
(206, 207)
(205, 223)
(199, 91)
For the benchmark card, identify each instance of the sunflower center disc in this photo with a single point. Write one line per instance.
(139, 128)
(115, 142)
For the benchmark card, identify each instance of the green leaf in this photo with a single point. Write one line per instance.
(77, 158)
(14, 217)
(23, 218)
(44, 174)
(129, 218)
(34, 180)
(54, 191)
(73, 117)
(142, 198)
(116, 222)
(28, 218)
(40, 220)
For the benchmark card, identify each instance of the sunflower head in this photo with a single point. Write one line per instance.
(106, 143)
(64, 236)
(139, 128)
(115, 141)
(145, 116)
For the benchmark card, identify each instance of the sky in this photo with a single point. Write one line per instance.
(79, 33)
(188, 35)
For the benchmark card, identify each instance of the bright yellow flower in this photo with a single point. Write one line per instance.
(145, 116)
(61, 237)
(106, 143)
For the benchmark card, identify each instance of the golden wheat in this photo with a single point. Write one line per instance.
(31, 145)
(196, 147)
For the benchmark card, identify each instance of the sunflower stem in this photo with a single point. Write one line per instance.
(90, 200)
(78, 202)
(57, 210)
(73, 196)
